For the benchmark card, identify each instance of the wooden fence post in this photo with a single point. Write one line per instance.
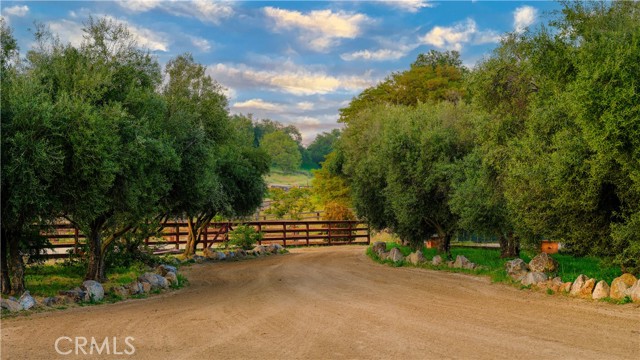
(206, 237)
(284, 234)
(368, 235)
(307, 234)
(329, 224)
(177, 235)
(76, 239)
(259, 230)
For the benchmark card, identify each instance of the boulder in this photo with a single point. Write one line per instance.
(11, 305)
(27, 301)
(120, 291)
(395, 255)
(221, 255)
(416, 258)
(437, 260)
(533, 278)
(230, 254)
(94, 290)
(55, 300)
(274, 248)
(461, 262)
(583, 287)
(543, 263)
(210, 254)
(601, 290)
(621, 285)
(75, 295)
(172, 278)
(450, 264)
(516, 269)
(198, 259)
(164, 269)
(470, 266)
(383, 255)
(566, 287)
(259, 250)
(241, 253)
(379, 247)
(156, 281)
(555, 284)
(634, 292)
(135, 288)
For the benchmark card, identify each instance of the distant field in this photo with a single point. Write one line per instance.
(300, 178)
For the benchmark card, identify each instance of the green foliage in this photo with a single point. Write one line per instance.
(244, 237)
(322, 145)
(282, 150)
(290, 203)
(329, 185)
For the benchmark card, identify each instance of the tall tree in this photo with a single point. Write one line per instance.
(283, 150)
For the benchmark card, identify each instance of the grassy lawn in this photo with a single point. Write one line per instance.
(300, 178)
(48, 279)
(493, 266)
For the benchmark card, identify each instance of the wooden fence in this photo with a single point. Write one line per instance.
(64, 238)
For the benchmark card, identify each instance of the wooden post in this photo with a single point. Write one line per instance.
(307, 234)
(259, 230)
(76, 239)
(284, 234)
(177, 235)
(206, 237)
(368, 235)
(350, 232)
(329, 224)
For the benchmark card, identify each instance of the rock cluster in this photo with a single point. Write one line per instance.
(536, 274)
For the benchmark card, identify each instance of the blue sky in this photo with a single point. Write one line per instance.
(292, 61)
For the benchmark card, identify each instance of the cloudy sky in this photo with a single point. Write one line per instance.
(295, 62)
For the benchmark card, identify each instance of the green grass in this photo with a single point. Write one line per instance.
(493, 266)
(300, 178)
(49, 279)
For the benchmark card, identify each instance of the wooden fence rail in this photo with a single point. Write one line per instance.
(65, 238)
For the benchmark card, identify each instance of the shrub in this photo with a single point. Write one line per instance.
(244, 236)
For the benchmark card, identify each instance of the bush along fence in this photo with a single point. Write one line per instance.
(65, 238)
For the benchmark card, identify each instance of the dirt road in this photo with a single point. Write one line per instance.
(326, 303)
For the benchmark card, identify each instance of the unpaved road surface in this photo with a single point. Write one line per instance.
(326, 303)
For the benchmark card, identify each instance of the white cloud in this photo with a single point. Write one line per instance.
(305, 105)
(202, 44)
(207, 11)
(255, 104)
(290, 78)
(523, 17)
(16, 10)
(412, 6)
(71, 32)
(375, 55)
(319, 30)
(454, 37)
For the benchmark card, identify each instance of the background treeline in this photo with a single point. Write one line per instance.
(540, 140)
(100, 135)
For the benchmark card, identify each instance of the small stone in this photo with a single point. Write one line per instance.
(601, 290)
(383, 255)
(583, 287)
(543, 263)
(136, 287)
(146, 287)
(274, 248)
(259, 250)
(437, 260)
(172, 278)
(379, 247)
(198, 259)
(210, 254)
(164, 269)
(533, 278)
(94, 290)
(75, 295)
(621, 285)
(566, 287)
(516, 269)
(416, 258)
(241, 253)
(221, 256)
(11, 305)
(27, 301)
(461, 262)
(156, 281)
(395, 255)
(55, 300)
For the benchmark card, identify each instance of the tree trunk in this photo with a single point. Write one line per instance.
(6, 282)
(96, 269)
(509, 246)
(15, 267)
(445, 245)
(190, 247)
